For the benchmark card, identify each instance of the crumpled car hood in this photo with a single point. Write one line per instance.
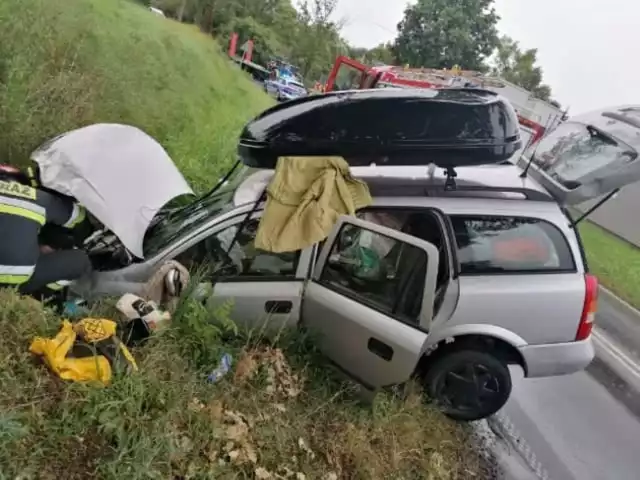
(117, 172)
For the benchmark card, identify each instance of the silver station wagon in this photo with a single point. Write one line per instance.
(482, 265)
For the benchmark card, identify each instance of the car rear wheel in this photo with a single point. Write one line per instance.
(468, 384)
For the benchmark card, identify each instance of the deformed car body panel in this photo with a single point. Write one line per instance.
(118, 172)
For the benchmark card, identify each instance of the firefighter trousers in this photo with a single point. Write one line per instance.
(53, 272)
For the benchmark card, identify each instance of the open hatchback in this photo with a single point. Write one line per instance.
(587, 157)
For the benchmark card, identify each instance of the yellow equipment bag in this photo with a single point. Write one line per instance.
(84, 352)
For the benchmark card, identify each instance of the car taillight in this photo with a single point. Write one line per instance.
(589, 308)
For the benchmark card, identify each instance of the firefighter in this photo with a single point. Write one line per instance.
(41, 272)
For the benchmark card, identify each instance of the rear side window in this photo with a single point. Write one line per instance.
(488, 244)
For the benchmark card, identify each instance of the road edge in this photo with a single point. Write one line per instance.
(618, 303)
(612, 358)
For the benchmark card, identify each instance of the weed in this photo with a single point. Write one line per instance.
(282, 411)
(615, 262)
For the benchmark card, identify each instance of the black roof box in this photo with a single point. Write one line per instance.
(449, 127)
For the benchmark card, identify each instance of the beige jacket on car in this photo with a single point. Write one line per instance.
(304, 200)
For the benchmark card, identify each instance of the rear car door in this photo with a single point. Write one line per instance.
(370, 300)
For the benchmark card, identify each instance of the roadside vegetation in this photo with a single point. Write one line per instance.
(615, 262)
(281, 412)
(70, 63)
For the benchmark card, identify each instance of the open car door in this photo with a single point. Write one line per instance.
(588, 156)
(370, 300)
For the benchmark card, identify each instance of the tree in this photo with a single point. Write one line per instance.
(519, 67)
(444, 33)
(382, 53)
(307, 36)
(318, 40)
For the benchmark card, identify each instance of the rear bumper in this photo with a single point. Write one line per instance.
(291, 96)
(557, 358)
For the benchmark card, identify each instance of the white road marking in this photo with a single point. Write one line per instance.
(626, 365)
(503, 426)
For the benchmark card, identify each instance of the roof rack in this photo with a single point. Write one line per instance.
(528, 193)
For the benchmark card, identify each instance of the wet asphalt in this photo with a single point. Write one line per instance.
(584, 426)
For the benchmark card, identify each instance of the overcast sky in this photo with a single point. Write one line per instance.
(589, 49)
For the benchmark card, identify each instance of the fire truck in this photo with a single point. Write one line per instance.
(536, 116)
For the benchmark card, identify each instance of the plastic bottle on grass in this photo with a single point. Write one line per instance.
(224, 366)
(75, 308)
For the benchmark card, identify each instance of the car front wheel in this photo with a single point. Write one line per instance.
(468, 385)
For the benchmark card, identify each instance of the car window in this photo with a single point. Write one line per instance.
(378, 271)
(510, 245)
(171, 225)
(242, 259)
(572, 151)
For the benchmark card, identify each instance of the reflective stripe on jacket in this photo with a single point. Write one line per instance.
(22, 208)
(59, 285)
(78, 214)
(15, 275)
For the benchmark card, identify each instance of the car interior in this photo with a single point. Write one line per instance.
(425, 226)
(406, 264)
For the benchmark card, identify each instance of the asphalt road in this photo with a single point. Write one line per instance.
(620, 215)
(584, 426)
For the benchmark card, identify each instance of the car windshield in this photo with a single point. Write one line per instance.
(172, 224)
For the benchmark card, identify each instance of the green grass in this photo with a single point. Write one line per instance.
(69, 63)
(281, 411)
(613, 261)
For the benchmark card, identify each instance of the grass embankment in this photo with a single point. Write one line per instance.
(68, 63)
(279, 414)
(615, 262)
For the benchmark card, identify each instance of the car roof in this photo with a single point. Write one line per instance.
(500, 182)
(504, 175)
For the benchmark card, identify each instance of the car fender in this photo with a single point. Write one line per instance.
(481, 329)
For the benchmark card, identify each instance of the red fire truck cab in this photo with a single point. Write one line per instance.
(536, 116)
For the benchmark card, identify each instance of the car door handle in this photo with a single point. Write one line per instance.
(278, 306)
(380, 349)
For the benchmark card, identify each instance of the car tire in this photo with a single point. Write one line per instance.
(468, 385)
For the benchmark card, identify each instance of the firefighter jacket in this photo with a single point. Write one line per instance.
(23, 212)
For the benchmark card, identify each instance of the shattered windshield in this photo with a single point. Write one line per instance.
(170, 225)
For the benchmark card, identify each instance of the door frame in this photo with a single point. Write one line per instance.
(354, 333)
(426, 310)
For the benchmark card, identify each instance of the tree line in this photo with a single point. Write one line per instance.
(432, 33)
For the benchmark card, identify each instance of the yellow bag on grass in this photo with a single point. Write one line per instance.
(86, 351)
